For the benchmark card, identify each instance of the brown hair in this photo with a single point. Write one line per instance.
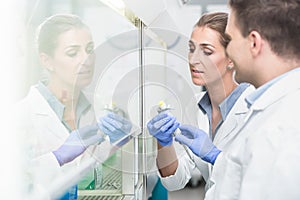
(278, 22)
(52, 27)
(216, 21)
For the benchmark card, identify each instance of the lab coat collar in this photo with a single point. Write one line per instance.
(279, 89)
(236, 115)
(41, 106)
(225, 107)
(83, 105)
(44, 115)
(228, 103)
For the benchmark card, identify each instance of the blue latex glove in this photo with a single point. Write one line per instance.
(162, 126)
(115, 126)
(199, 142)
(77, 142)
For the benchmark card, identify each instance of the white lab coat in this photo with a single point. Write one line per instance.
(264, 161)
(222, 140)
(42, 132)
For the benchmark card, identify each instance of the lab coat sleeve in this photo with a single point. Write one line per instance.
(46, 168)
(181, 176)
(203, 167)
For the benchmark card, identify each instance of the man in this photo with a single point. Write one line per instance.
(264, 159)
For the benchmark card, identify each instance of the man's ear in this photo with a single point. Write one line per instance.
(46, 61)
(256, 43)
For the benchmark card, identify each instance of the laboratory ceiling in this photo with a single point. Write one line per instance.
(205, 4)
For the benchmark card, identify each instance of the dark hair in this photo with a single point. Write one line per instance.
(278, 22)
(52, 27)
(216, 21)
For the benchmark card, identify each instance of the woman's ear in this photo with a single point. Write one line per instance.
(46, 61)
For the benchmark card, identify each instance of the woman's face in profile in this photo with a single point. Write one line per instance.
(73, 59)
(207, 57)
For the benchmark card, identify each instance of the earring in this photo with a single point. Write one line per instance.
(229, 67)
(50, 69)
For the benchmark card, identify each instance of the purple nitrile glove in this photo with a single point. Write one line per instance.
(115, 126)
(162, 127)
(77, 142)
(199, 143)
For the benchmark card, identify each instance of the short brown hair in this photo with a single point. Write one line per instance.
(278, 22)
(216, 21)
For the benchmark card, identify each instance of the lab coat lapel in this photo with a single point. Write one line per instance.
(234, 120)
(46, 120)
(230, 128)
(227, 127)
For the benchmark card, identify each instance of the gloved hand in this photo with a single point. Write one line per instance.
(115, 126)
(77, 142)
(199, 142)
(162, 126)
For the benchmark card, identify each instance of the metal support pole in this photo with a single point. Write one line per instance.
(142, 109)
